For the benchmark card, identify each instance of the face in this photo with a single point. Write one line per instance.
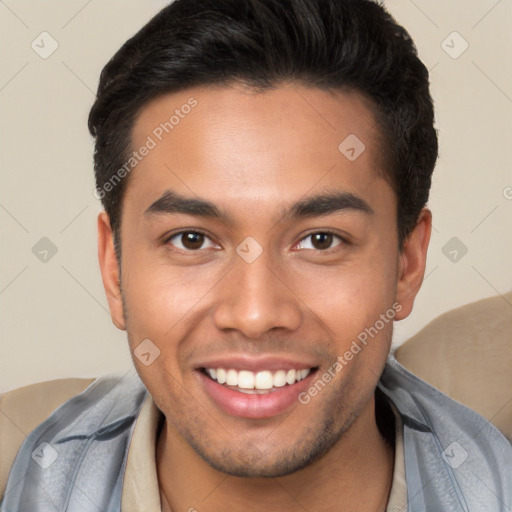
(257, 249)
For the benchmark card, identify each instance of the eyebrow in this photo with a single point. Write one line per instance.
(323, 204)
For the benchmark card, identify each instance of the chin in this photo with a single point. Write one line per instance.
(251, 462)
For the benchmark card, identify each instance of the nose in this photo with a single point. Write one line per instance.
(255, 299)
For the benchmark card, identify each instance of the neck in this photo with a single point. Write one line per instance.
(355, 475)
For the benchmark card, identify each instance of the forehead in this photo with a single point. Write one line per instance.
(235, 146)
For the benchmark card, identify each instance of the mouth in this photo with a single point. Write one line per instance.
(261, 382)
(255, 394)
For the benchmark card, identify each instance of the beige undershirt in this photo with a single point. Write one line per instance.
(141, 491)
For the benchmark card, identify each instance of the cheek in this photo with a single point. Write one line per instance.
(351, 296)
(159, 297)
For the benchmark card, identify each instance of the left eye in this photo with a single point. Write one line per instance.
(320, 241)
(190, 241)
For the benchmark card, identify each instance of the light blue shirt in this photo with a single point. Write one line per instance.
(455, 460)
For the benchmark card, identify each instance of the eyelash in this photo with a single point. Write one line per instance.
(343, 241)
(178, 233)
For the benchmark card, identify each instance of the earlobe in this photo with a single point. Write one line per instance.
(411, 267)
(110, 270)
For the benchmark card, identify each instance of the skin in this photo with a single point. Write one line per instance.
(253, 155)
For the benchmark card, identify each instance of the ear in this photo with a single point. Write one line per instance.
(110, 270)
(411, 266)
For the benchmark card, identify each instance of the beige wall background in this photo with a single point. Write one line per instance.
(54, 317)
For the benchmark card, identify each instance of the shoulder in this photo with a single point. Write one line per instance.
(23, 409)
(467, 354)
(454, 457)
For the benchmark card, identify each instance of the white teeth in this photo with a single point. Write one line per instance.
(263, 380)
(279, 379)
(221, 375)
(245, 380)
(232, 378)
(290, 376)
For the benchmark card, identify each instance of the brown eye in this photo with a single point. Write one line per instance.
(320, 241)
(190, 241)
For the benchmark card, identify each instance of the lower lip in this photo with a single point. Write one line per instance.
(254, 406)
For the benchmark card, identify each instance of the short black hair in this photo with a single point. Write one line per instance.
(352, 45)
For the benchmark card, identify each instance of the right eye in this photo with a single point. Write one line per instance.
(190, 241)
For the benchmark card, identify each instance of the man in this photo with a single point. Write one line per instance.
(264, 166)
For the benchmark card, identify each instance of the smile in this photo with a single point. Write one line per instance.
(256, 382)
(255, 394)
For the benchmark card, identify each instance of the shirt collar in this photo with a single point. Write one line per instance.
(141, 489)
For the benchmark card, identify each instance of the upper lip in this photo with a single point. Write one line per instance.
(254, 364)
